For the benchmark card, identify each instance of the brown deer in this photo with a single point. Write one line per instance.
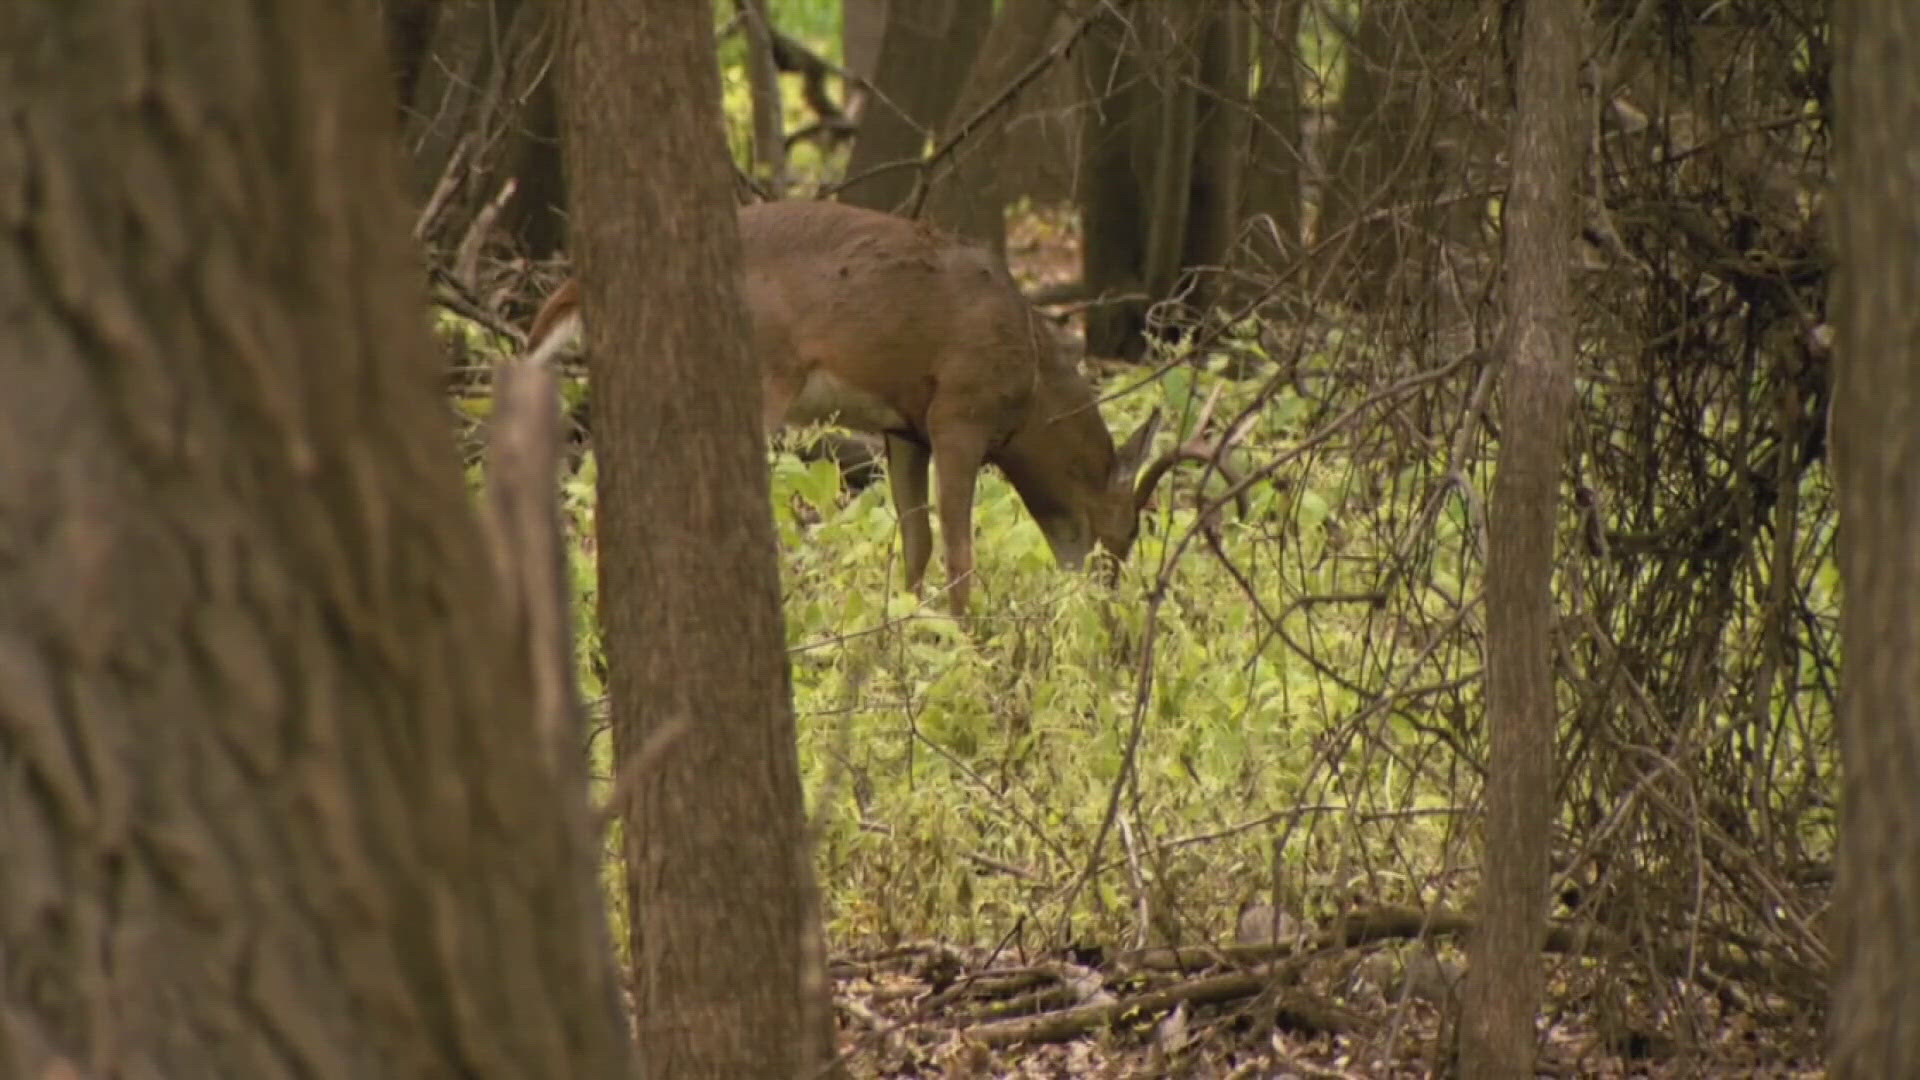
(884, 325)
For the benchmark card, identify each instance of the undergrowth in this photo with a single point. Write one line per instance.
(970, 781)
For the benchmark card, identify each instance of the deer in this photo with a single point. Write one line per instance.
(889, 326)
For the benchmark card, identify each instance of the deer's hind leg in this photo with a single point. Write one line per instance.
(907, 463)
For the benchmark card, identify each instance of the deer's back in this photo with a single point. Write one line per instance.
(892, 307)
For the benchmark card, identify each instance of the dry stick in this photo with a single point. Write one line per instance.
(1209, 334)
(523, 459)
(1267, 965)
(1068, 1023)
(1333, 427)
(1143, 693)
(466, 263)
(528, 547)
(451, 178)
(452, 294)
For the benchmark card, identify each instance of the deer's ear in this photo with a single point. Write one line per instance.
(1134, 450)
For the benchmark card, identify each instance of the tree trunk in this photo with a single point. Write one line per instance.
(272, 796)
(1162, 159)
(1275, 158)
(1503, 988)
(1876, 921)
(728, 977)
(1218, 162)
(863, 24)
(925, 51)
(409, 30)
(480, 116)
(1112, 204)
(964, 193)
(1174, 29)
(533, 217)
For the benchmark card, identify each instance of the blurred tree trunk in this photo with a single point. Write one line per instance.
(1171, 32)
(728, 976)
(965, 193)
(409, 28)
(863, 23)
(1504, 982)
(1275, 158)
(926, 49)
(273, 800)
(1221, 124)
(1875, 920)
(1163, 157)
(1112, 201)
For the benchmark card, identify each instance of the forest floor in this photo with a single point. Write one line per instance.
(932, 1010)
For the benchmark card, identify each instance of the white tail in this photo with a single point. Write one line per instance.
(885, 325)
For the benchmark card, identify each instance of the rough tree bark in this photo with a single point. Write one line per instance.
(1503, 988)
(728, 979)
(1876, 916)
(925, 51)
(271, 800)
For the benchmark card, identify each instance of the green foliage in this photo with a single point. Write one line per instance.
(941, 758)
(959, 774)
(816, 22)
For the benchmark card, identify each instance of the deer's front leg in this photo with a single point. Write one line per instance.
(959, 450)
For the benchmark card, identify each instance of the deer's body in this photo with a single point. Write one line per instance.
(884, 325)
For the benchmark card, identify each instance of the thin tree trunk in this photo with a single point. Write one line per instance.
(533, 217)
(728, 977)
(1378, 213)
(272, 802)
(769, 136)
(1876, 916)
(1503, 988)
